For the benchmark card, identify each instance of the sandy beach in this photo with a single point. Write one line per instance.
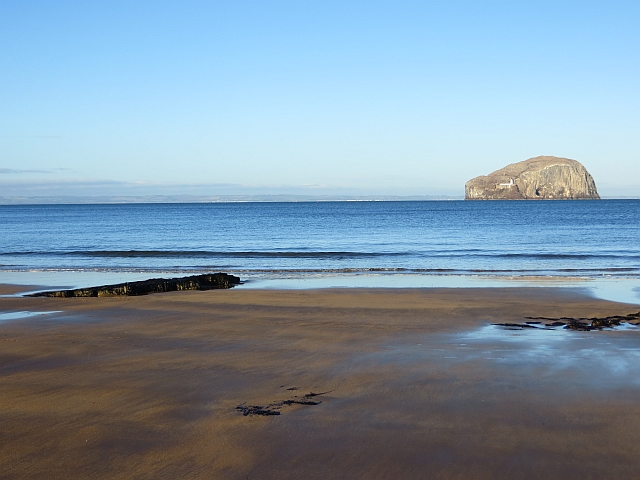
(147, 387)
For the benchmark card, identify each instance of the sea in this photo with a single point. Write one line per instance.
(589, 245)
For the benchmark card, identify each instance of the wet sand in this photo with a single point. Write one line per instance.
(147, 387)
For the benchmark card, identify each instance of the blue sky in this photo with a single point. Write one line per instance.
(409, 98)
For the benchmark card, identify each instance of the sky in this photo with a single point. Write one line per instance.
(312, 97)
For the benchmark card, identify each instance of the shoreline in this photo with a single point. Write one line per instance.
(623, 289)
(409, 382)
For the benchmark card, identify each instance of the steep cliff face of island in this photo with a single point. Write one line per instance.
(539, 178)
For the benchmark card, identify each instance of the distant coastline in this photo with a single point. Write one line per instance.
(105, 199)
(93, 200)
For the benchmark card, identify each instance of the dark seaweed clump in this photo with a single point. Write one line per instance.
(275, 407)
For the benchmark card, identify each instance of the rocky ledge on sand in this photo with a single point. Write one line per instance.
(155, 285)
(582, 324)
(539, 178)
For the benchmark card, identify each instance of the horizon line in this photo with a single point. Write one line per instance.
(200, 199)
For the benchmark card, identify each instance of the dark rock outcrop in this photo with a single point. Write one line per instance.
(581, 324)
(539, 178)
(155, 285)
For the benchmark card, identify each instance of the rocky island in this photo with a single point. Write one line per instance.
(539, 178)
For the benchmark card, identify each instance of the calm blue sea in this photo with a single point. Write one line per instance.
(400, 242)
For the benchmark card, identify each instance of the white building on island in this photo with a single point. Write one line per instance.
(510, 184)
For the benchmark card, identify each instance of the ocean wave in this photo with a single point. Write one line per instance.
(565, 256)
(301, 254)
(203, 254)
(562, 272)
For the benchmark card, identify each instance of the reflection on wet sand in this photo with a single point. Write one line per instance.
(545, 356)
(22, 314)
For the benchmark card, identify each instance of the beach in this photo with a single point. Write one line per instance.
(319, 240)
(368, 383)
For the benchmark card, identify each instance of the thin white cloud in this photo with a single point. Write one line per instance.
(13, 171)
